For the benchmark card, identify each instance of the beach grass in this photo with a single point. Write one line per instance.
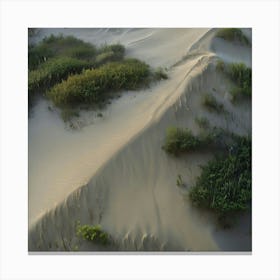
(233, 35)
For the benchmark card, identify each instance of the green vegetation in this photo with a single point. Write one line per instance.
(180, 140)
(94, 86)
(53, 71)
(75, 74)
(212, 104)
(239, 74)
(93, 233)
(233, 35)
(202, 122)
(54, 46)
(109, 53)
(225, 183)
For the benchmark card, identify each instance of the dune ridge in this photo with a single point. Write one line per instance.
(133, 195)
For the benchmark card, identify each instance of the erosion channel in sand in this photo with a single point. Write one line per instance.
(112, 171)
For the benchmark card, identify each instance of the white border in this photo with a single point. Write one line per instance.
(262, 16)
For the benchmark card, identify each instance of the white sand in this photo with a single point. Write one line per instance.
(132, 192)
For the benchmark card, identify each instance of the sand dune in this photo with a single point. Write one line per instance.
(132, 192)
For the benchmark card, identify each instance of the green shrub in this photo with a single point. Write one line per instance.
(94, 86)
(212, 104)
(225, 183)
(93, 233)
(241, 75)
(233, 35)
(54, 46)
(180, 140)
(53, 71)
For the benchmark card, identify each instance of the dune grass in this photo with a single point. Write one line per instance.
(233, 35)
(56, 69)
(240, 75)
(211, 103)
(179, 141)
(53, 71)
(54, 46)
(93, 234)
(96, 86)
(224, 185)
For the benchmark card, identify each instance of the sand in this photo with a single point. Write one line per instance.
(113, 171)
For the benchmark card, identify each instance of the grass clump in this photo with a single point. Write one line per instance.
(212, 104)
(225, 183)
(93, 233)
(109, 53)
(54, 46)
(241, 75)
(53, 71)
(233, 35)
(180, 140)
(93, 86)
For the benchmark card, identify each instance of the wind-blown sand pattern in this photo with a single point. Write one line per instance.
(113, 171)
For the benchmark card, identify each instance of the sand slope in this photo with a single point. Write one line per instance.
(133, 193)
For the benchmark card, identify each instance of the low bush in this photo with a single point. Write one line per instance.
(93, 233)
(241, 75)
(180, 140)
(225, 183)
(53, 71)
(233, 35)
(212, 104)
(54, 46)
(94, 86)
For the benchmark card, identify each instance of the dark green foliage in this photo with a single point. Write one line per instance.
(180, 140)
(93, 86)
(53, 71)
(225, 183)
(233, 35)
(241, 75)
(212, 104)
(93, 233)
(54, 46)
